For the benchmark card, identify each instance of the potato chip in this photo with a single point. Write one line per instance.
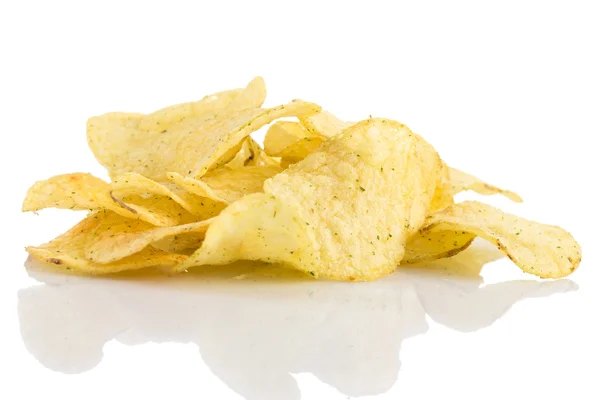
(80, 191)
(243, 155)
(190, 150)
(542, 250)
(433, 245)
(260, 158)
(290, 141)
(114, 241)
(134, 184)
(225, 102)
(324, 124)
(68, 250)
(227, 185)
(461, 181)
(184, 243)
(345, 212)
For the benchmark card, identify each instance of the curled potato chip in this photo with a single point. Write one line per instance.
(80, 191)
(260, 157)
(290, 141)
(188, 148)
(211, 104)
(461, 181)
(543, 250)
(344, 212)
(227, 185)
(433, 245)
(324, 123)
(235, 129)
(134, 184)
(184, 243)
(68, 251)
(243, 155)
(114, 241)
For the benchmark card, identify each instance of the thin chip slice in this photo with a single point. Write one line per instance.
(243, 155)
(68, 250)
(232, 131)
(324, 123)
(543, 250)
(81, 191)
(433, 245)
(260, 157)
(345, 212)
(227, 185)
(290, 141)
(283, 134)
(134, 184)
(114, 241)
(444, 195)
(190, 150)
(221, 103)
(184, 243)
(161, 119)
(461, 181)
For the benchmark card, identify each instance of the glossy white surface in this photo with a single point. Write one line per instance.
(507, 92)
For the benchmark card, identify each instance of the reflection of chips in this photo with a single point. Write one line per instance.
(542, 250)
(344, 212)
(188, 150)
(227, 185)
(85, 192)
(68, 251)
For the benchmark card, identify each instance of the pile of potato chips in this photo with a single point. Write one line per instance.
(335, 199)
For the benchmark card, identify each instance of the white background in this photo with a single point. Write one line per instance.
(510, 92)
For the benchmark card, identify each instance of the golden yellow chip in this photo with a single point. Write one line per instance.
(129, 184)
(113, 241)
(68, 251)
(433, 245)
(542, 250)
(190, 150)
(333, 199)
(260, 158)
(290, 141)
(461, 181)
(324, 123)
(226, 185)
(243, 155)
(345, 212)
(80, 191)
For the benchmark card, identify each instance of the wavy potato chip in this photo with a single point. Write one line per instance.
(433, 245)
(243, 155)
(461, 181)
(290, 141)
(68, 251)
(260, 157)
(227, 185)
(543, 250)
(188, 149)
(134, 184)
(345, 212)
(81, 191)
(114, 241)
(333, 199)
(324, 124)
